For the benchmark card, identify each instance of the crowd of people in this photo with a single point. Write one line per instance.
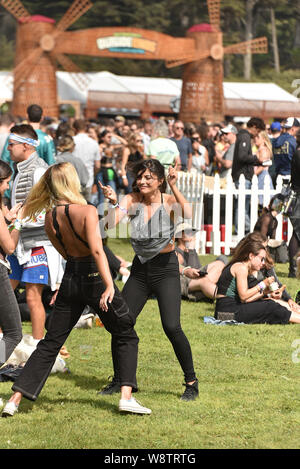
(63, 182)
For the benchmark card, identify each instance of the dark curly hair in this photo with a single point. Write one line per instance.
(155, 167)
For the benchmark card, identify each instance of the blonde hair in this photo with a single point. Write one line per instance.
(267, 141)
(131, 141)
(59, 182)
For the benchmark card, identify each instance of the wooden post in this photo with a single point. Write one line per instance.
(228, 214)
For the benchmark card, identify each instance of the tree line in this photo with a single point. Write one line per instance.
(241, 20)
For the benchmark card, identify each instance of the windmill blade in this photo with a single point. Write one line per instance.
(188, 58)
(23, 70)
(79, 77)
(76, 10)
(255, 46)
(214, 13)
(179, 61)
(16, 8)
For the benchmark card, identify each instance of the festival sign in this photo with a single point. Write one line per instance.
(127, 43)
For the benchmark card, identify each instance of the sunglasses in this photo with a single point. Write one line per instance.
(262, 259)
(179, 128)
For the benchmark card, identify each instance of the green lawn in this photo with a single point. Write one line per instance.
(249, 388)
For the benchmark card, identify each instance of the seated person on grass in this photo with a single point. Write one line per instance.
(197, 282)
(256, 304)
(268, 270)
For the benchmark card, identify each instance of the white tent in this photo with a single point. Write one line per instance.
(111, 93)
(257, 92)
(105, 87)
(6, 86)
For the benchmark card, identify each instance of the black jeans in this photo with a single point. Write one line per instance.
(159, 276)
(81, 286)
(255, 312)
(10, 318)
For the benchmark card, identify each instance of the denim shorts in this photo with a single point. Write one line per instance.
(34, 271)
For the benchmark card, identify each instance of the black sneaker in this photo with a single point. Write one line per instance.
(111, 388)
(191, 391)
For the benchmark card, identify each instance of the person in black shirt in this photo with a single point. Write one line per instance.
(244, 162)
(294, 244)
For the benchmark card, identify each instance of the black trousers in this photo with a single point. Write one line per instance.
(159, 276)
(255, 312)
(81, 286)
(10, 318)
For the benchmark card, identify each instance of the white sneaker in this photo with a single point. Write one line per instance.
(10, 409)
(133, 406)
(125, 278)
(85, 322)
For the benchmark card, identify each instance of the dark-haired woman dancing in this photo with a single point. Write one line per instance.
(155, 268)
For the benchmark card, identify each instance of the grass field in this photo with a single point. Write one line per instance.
(248, 376)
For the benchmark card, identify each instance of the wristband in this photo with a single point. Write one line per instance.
(262, 286)
(123, 209)
(124, 177)
(17, 225)
(187, 267)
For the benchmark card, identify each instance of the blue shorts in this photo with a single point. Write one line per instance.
(34, 271)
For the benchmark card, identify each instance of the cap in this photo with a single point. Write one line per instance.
(229, 129)
(275, 126)
(120, 118)
(291, 122)
(185, 227)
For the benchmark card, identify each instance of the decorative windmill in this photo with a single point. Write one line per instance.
(41, 44)
(202, 87)
(36, 56)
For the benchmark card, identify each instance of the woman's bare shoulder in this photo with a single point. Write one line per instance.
(239, 267)
(169, 199)
(88, 210)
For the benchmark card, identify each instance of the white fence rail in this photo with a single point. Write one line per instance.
(196, 187)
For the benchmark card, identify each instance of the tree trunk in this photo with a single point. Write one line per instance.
(297, 35)
(275, 42)
(250, 4)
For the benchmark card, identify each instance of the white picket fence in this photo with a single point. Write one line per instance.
(194, 187)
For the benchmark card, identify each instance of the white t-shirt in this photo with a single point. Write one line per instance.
(164, 150)
(87, 150)
(198, 160)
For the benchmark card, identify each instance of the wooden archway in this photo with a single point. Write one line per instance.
(41, 44)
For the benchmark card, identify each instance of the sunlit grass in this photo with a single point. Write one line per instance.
(248, 382)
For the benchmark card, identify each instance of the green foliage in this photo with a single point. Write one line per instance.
(175, 17)
(7, 53)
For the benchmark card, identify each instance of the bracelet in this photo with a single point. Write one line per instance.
(262, 286)
(17, 225)
(123, 209)
(187, 267)
(124, 177)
